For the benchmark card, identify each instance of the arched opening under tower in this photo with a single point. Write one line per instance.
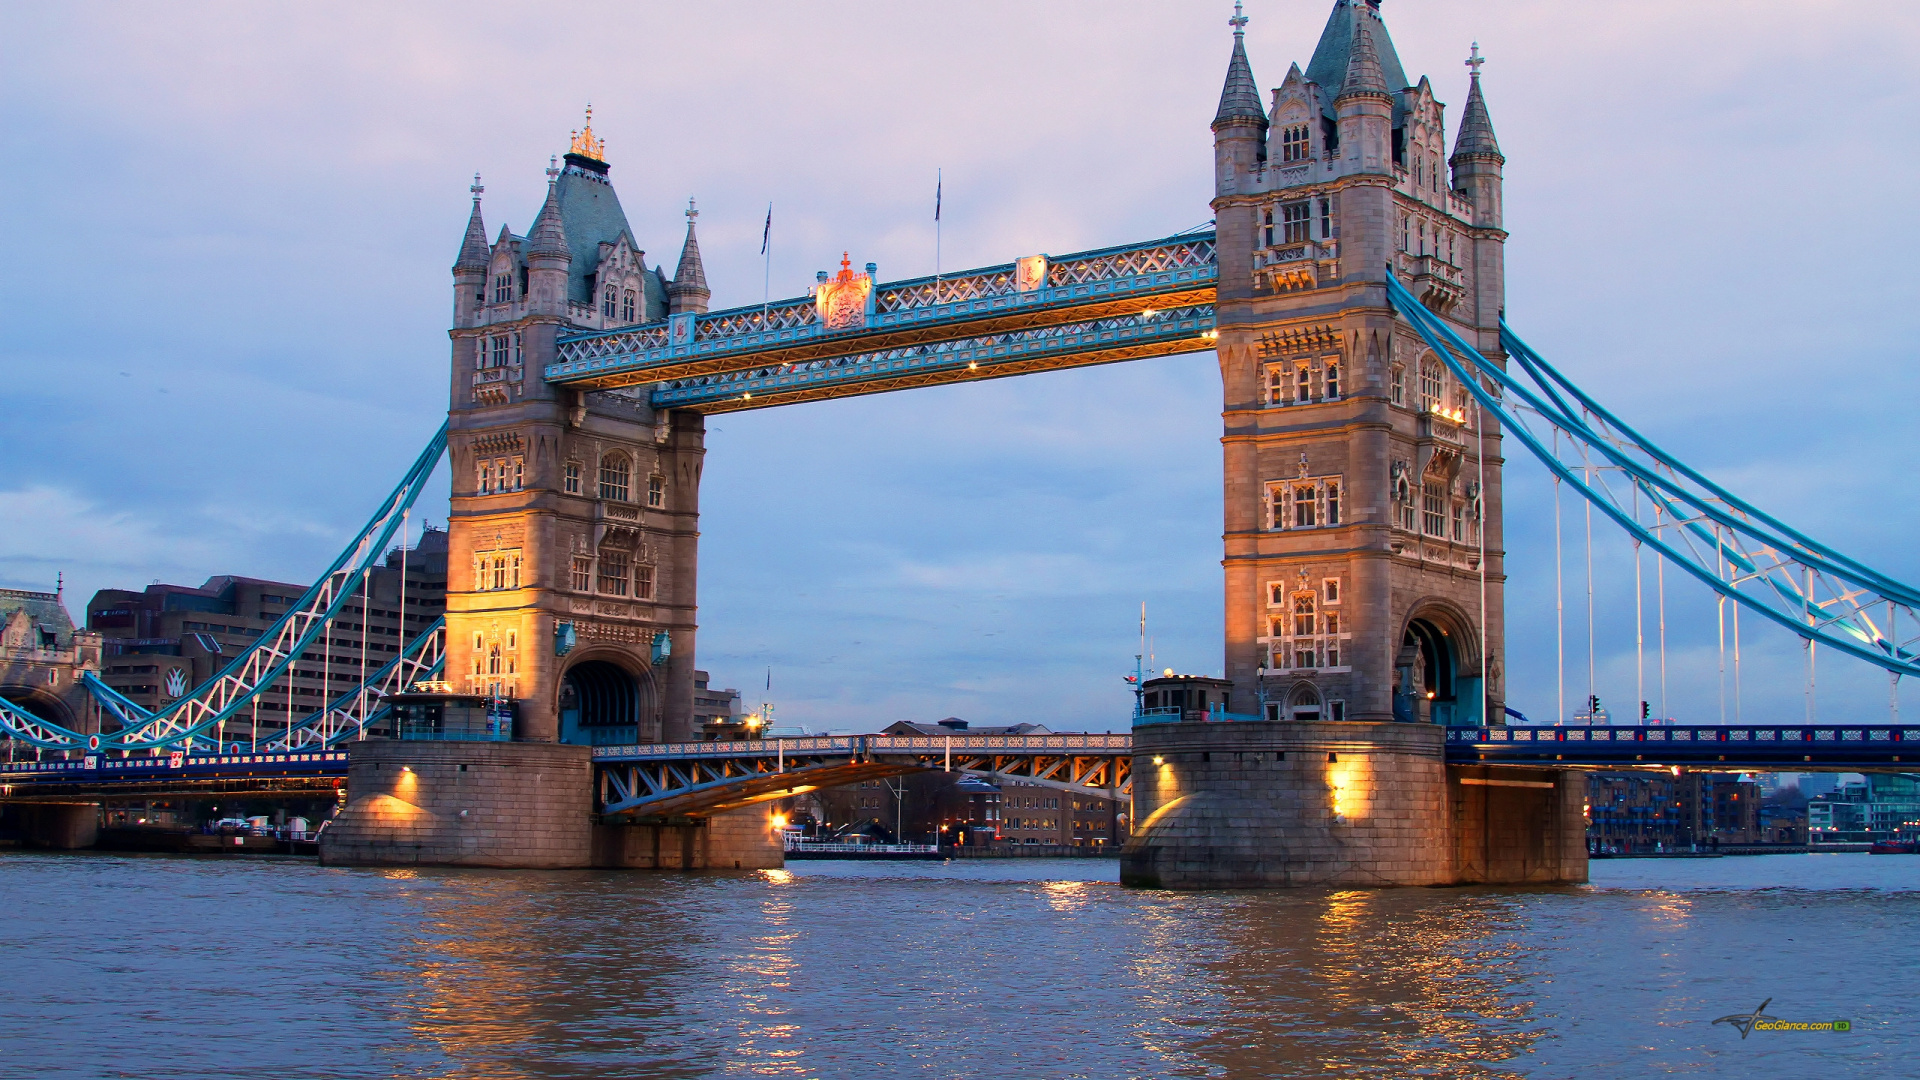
(37, 701)
(1436, 679)
(603, 704)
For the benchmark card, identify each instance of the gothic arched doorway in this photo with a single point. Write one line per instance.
(601, 704)
(1427, 689)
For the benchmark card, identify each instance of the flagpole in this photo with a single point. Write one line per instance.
(939, 183)
(766, 282)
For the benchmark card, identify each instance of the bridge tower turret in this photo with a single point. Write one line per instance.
(574, 516)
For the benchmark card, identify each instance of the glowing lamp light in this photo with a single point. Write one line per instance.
(1167, 673)
(779, 821)
(1148, 313)
(1159, 760)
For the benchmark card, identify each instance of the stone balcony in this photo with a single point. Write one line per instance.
(1439, 284)
(1296, 267)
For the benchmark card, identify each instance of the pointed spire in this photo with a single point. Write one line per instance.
(690, 274)
(1240, 97)
(1364, 75)
(1476, 127)
(473, 249)
(549, 236)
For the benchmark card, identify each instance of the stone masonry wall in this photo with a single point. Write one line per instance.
(1261, 805)
(526, 805)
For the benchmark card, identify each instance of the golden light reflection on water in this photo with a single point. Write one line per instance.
(788, 975)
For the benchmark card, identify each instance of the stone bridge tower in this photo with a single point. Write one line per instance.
(571, 574)
(1363, 551)
(1362, 541)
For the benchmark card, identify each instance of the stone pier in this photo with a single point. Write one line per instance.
(1283, 803)
(517, 805)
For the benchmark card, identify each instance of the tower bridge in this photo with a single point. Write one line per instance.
(1352, 286)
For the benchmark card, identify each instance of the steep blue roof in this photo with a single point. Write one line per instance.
(590, 212)
(1329, 64)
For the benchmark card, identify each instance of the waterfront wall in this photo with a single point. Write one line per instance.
(1284, 804)
(56, 826)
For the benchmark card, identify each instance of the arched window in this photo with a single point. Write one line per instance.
(607, 301)
(656, 491)
(616, 477)
(626, 306)
(1333, 380)
(1430, 384)
(572, 482)
(613, 572)
(1303, 615)
(493, 660)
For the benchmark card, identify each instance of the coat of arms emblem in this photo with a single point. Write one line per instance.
(1030, 273)
(842, 300)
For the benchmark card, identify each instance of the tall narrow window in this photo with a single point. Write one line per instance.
(1293, 142)
(1266, 228)
(1330, 589)
(1279, 594)
(572, 478)
(1303, 385)
(615, 477)
(501, 343)
(1295, 220)
(1433, 507)
(502, 288)
(1403, 500)
(643, 582)
(486, 477)
(1459, 523)
(1333, 502)
(513, 582)
(1277, 385)
(581, 579)
(1333, 380)
(1303, 515)
(493, 659)
(499, 571)
(1303, 615)
(1399, 385)
(1326, 219)
(1429, 384)
(613, 572)
(607, 301)
(519, 473)
(516, 347)
(1278, 508)
(626, 306)
(656, 491)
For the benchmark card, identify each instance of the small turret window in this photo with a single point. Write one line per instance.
(607, 301)
(1333, 380)
(1266, 229)
(1326, 219)
(626, 306)
(572, 480)
(502, 288)
(656, 491)
(1293, 143)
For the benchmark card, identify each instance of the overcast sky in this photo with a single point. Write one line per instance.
(223, 328)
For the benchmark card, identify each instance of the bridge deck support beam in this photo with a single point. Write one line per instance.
(744, 839)
(1284, 804)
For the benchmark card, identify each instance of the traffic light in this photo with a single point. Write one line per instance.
(1646, 710)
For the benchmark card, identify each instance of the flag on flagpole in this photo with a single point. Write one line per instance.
(938, 183)
(766, 234)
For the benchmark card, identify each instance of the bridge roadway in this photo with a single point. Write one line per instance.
(695, 779)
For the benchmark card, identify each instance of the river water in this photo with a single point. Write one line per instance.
(163, 967)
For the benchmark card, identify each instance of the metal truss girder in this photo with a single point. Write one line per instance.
(954, 372)
(662, 365)
(700, 779)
